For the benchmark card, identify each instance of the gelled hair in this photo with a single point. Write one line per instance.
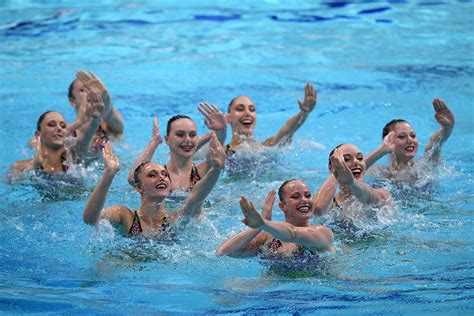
(332, 152)
(136, 173)
(40, 119)
(281, 196)
(70, 95)
(390, 125)
(175, 118)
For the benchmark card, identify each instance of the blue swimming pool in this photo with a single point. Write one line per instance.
(371, 61)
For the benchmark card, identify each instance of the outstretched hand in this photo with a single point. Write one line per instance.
(217, 153)
(443, 114)
(214, 119)
(310, 99)
(155, 134)
(93, 84)
(40, 155)
(111, 161)
(251, 217)
(268, 205)
(388, 142)
(339, 168)
(95, 104)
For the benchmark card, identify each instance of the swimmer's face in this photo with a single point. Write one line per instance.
(53, 130)
(182, 138)
(297, 203)
(405, 142)
(154, 181)
(354, 159)
(78, 93)
(242, 116)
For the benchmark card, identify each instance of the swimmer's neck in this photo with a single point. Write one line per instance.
(297, 222)
(177, 164)
(401, 164)
(238, 139)
(152, 212)
(53, 159)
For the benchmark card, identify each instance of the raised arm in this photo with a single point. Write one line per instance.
(318, 237)
(215, 121)
(285, 134)
(193, 204)
(95, 203)
(385, 148)
(362, 191)
(248, 243)
(111, 116)
(148, 152)
(445, 118)
(325, 195)
(86, 124)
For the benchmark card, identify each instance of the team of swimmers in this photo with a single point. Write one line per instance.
(59, 144)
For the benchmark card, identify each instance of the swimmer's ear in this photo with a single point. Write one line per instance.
(37, 134)
(139, 188)
(73, 102)
(282, 206)
(166, 140)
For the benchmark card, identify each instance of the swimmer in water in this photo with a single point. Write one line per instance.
(183, 141)
(291, 238)
(153, 183)
(399, 140)
(53, 155)
(111, 123)
(242, 117)
(347, 167)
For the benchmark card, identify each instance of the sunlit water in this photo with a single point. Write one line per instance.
(370, 61)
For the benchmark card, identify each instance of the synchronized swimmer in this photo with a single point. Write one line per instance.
(58, 145)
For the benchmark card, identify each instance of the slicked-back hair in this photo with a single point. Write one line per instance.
(136, 173)
(70, 95)
(332, 152)
(40, 119)
(281, 196)
(175, 118)
(390, 126)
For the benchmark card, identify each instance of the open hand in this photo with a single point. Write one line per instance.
(214, 119)
(217, 153)
(91, 83)
(155, 134)
(268, 205)
(95, 104)
(310, 99)
(111, 161)
(443, 114)
(251, 217)
(339, 168)
(388, 142)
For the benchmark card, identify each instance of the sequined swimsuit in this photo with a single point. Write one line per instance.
(136, 228)
(193, 179)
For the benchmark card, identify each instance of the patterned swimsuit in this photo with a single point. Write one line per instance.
(193, 179)
(136, 228)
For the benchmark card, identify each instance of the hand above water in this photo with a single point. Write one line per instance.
(310, 99)
(443, 114)
(251, 217)
(214, 119)
(268, 205)
(111, 162)
(217, 153)
(340, 170)
(155, 134)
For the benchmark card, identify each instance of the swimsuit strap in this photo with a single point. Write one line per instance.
(136, 227)
(194, 178)
(335, 204)
(229, 151)
(165, 224)
(275, 245)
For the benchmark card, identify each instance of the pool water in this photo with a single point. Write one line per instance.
(371, 61)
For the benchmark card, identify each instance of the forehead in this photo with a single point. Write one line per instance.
(349, 149)
(152, 167)
(296, 186)
(53, 116)
(402, 127)
(183, 124)
(242, 100)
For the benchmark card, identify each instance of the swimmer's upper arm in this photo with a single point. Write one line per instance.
(115, 214)
(382, 195)
(316, 236)
(22, 165)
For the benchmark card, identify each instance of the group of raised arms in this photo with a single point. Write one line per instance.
(59, 145)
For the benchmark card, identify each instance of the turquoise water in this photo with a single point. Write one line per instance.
(371, 61)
